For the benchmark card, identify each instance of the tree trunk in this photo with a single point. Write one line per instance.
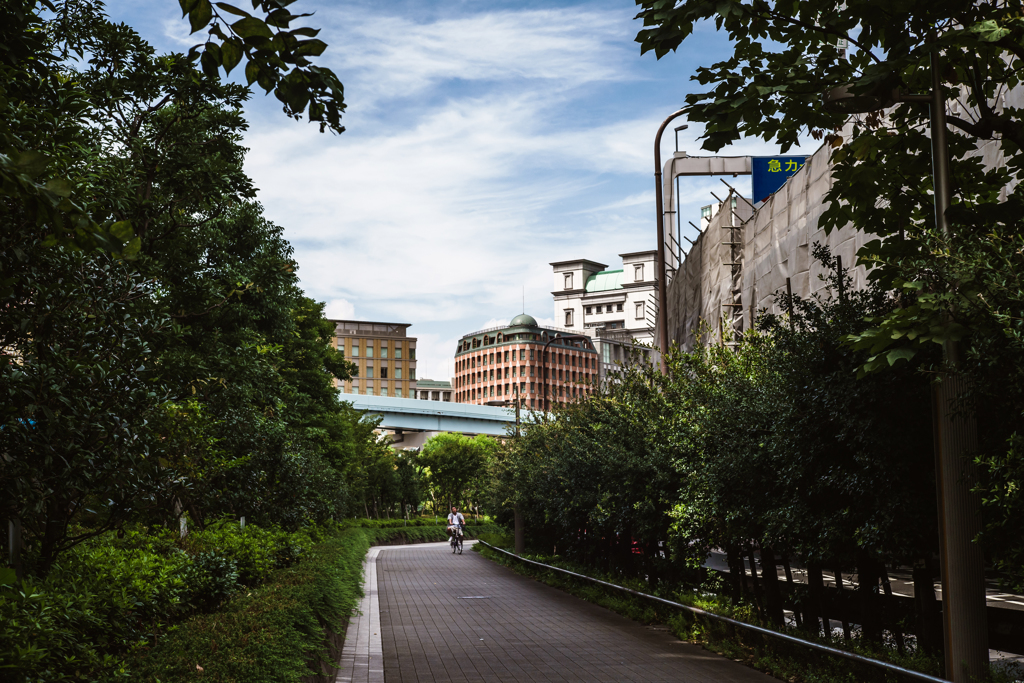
(926, 607)
(867, 589)
(842, 603)
(758, 596)
(816, 608)
(897, 630)
(736, 572)
(773, 596)
(792, 588)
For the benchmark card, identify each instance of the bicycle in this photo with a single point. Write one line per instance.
(456, 539)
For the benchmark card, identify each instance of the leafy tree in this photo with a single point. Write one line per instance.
(158, 353)
(452, 462)
(963, 285)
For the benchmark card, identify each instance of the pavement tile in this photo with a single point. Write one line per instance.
(518, 630)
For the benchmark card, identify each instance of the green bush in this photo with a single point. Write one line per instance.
(271, 633)
(401, 523)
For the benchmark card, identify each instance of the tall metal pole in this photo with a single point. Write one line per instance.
(662, 271)
(964, 612)
(518, 532)
(544, 358)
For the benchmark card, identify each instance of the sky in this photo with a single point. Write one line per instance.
(484, 141)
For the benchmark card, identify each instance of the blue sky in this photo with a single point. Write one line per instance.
(485, 140)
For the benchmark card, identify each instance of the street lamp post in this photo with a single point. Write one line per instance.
(544, 359)
(518, 532)
(964, 612)
(659, 202)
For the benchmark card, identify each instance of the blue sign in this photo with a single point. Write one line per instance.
(770, 173)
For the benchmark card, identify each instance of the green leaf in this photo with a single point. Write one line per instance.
(200, 16)
(990, 31)
(8, 577)
(251, 27)
(311, 48)
(60, 187)
(897, 355)
(231, 54)
(231, 9)
(122, 230)
(252, 72)
(30, 163)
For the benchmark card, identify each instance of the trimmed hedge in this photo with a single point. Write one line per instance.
(278, 632)
(416, 521)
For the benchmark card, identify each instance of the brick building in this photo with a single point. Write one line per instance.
(506, 363)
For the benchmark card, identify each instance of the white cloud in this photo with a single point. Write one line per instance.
(340, 309)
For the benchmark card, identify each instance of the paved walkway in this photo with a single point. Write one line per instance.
(433, 616)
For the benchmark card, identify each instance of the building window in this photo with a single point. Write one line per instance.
(369, 349)
(531, 354)
(384, 391)
(412, 353)
(341, 345)
(589, 311)
(398, 373)
(492, 375)
(384, 372)
(568, 317)
(384, 350)
(533, 387)
(398, 392)
(568, 280)
(412, 374)
(398, 353)
(355, 349)
(506, 356)
(638, 273)
(522, 354)
(640, 311)
(447, 396)
(617, 308)
(506, 373)
(369, 372)
(369, 391)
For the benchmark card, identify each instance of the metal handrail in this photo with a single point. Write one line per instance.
(735, 622)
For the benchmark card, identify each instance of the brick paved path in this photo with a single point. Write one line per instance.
(447, 617)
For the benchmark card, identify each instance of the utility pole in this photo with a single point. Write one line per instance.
(659, 202)
(964, 610)
(518, 532)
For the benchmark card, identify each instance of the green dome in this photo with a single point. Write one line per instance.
(523, 320)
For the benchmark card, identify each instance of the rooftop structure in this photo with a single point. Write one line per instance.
(433, 390)
(615, 307)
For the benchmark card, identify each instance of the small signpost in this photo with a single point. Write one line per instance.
(770, 173)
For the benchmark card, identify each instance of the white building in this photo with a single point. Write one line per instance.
(616, 308)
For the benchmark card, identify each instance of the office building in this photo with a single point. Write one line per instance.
(526, 362)
(616, 308)
(386, 358)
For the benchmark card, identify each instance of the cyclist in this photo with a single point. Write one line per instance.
(455, 519)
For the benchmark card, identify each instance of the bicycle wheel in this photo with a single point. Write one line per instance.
(455, 542)
(460, 545)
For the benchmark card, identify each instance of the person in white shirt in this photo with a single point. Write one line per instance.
(456, 519)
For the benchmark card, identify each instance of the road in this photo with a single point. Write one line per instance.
(430, 615)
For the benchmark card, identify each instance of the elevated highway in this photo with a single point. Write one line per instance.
(413, 421)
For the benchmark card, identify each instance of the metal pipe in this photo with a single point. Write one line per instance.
(662, 275)
(735, 622)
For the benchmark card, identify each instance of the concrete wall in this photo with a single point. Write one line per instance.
(774, 244)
